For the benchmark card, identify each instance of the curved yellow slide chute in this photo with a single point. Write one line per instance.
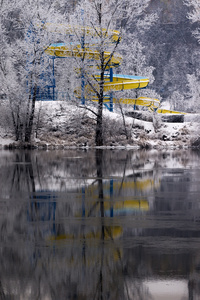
(64, 50)
(151, 103)
(142, 101)
(167, 111)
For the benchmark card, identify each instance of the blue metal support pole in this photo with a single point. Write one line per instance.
(54, 81)
(111, 93)
(82, 89)
(82, 74)
(83, 201)
(111, 198)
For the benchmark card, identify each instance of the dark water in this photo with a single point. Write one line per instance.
(100, 225)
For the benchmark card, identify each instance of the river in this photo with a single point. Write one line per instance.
(104, 224)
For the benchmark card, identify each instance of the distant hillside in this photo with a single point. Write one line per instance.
(172, 49)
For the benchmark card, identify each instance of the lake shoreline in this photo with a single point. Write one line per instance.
(44, 146)
(63, 126)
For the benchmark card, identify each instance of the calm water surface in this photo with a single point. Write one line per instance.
(100, 225)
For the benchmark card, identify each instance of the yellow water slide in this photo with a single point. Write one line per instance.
(75, 50)
(119, 82)
(167, 111)
(151, 103)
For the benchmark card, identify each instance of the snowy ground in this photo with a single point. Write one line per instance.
(64, 125)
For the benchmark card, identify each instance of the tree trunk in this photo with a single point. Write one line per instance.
(18, 126)
(99, 125)
(29, 127)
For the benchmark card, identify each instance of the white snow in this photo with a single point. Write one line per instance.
(64, 123)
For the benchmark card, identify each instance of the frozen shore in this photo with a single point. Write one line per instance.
(60, 125)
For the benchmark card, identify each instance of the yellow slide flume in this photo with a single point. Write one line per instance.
(122, 82)
(167, 111)
(151, 103)
(73, 50)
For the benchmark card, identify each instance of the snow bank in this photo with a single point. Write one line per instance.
(65, 125)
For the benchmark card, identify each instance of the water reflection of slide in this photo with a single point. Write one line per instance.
(47, 251)
(117, 201)
(121, 197)
(104, 199)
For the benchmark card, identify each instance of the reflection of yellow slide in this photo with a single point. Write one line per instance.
(127, 206)
(114, 207)
(144, 185)
(111, 232)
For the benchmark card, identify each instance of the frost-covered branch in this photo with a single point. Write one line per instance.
(194, 15)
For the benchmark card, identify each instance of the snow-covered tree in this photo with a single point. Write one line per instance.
(22, 58)
(93, 23)
(176, 102)
(194, 92)
(194, 15)
(134, 52)
(194, 79)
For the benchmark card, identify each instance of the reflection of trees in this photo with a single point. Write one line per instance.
(19, 173)
(50, 269)
(47, 250)
(112, 274)
(99, 291)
